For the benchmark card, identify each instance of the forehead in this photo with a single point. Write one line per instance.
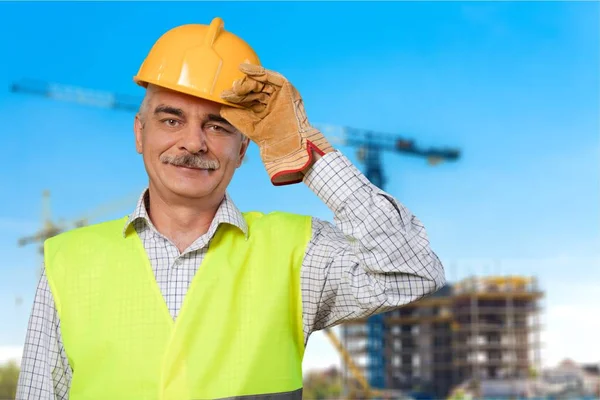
(188, 104)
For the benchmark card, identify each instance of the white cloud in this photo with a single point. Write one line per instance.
(10, 353)
(320, 353)
(572, 326)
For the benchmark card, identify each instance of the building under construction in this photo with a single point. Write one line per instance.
(479, 328)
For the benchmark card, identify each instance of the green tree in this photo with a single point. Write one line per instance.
(322, 385)
(9, 375)
(533, 373)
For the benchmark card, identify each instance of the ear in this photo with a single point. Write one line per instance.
(243, 148)
(138, 127)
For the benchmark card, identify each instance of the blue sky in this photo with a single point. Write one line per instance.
(515, 86)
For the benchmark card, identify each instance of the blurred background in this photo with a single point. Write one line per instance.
(481, 117)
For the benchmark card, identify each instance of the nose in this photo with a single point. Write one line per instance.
(194, 140)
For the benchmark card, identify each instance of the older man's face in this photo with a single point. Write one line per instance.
(188, 149)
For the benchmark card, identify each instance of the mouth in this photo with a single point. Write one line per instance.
(189, 168)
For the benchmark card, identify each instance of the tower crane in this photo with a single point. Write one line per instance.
(369, 144)
(52, 228)
(75, 94)
(49, 227)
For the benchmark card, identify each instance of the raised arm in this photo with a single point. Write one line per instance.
(376, 257)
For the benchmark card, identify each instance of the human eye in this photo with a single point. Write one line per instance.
(170, 122)
(217, 129)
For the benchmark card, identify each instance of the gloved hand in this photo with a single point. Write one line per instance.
(273, 116)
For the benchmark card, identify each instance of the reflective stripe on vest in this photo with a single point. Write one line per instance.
(294, 395)
(238, 333)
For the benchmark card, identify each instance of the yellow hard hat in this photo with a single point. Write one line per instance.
(199, 60)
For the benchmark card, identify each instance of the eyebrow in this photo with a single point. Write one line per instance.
(168, 110)
(179, 112)
(218, 118)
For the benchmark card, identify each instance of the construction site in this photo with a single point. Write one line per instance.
(476, 330)
(480, 331)
(481, 117)
(482, 328)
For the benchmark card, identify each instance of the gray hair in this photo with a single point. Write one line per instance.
(144, 105)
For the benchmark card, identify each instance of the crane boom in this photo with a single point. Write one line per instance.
(75, 94)
(395, 143)
(368, 142)
(50, 228)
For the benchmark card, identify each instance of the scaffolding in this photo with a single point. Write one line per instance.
(480, 328)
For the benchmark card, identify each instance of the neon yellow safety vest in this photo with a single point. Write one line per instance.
(238, 333)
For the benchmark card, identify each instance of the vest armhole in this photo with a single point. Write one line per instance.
(51, 246)
(308, 234)
(54, 291)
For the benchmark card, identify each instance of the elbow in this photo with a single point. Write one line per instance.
(428, 269)
(437, 274)
(439, 283)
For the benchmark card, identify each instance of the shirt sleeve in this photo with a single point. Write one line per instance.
(45, 371)
(374, 258)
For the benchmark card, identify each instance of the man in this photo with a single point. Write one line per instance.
(189, 298)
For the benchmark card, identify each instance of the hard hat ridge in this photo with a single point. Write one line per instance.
(196, 59)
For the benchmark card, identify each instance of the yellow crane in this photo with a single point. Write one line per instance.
(365, 390)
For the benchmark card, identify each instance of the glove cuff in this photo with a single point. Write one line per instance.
(290, 168)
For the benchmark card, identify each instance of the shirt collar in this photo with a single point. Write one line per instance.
(227, 213)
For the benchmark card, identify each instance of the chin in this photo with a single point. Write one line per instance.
(192, 188)
(194, 192)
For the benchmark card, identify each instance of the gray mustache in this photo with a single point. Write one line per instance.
(190, 161)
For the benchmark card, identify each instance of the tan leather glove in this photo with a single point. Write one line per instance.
(273, 117)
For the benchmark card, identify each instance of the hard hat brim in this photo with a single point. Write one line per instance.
(185, 90)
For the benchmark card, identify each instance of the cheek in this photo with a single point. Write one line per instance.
(157, 143)
(229, 150)
(234, 153)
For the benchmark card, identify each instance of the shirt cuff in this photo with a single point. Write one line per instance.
(334, 179)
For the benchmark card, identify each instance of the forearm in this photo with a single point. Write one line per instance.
(379, 256)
